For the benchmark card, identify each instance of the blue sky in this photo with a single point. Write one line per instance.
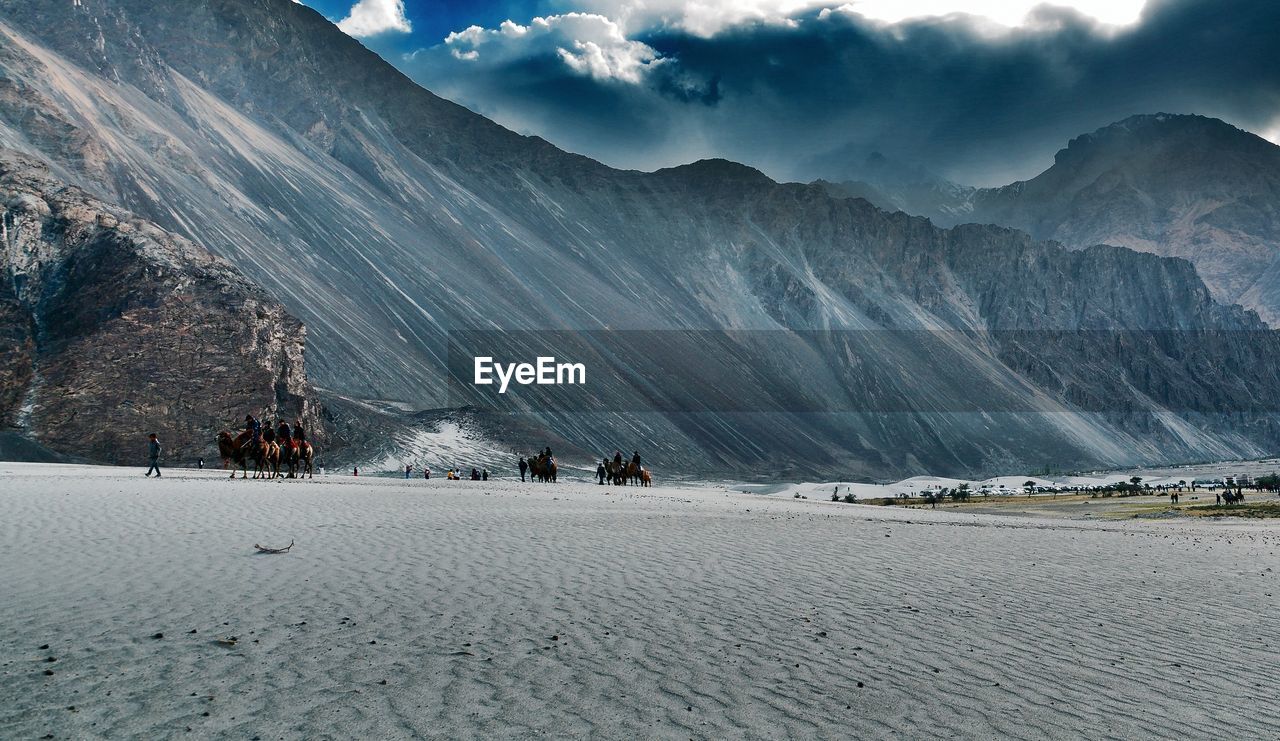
(979, 91)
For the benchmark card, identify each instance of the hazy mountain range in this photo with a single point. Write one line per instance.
(1179, 186)
(383, 217)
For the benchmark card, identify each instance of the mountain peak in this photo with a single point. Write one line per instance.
(716, 169)
(1148, 130)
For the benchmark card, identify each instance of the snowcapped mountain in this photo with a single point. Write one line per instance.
(385, 218)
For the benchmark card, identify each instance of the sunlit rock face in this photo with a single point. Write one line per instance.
(118, 328)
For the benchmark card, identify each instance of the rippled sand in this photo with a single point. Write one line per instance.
(506, 610)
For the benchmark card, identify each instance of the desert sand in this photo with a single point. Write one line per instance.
(132, 607)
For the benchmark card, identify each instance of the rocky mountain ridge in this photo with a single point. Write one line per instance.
(1174, 185)
(390, 220)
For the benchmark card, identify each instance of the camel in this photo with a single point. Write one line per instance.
(226, 448)
(645, 478)
(633, 473)
(289, 456)
(617, 473)
(272, 458)
(307, 455)
(543, 469)
(299, 458)
(240, 450)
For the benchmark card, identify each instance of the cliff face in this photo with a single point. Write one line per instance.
(117, 328)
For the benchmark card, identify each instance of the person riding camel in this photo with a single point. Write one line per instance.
(253, 427)
(283, 433)
(635, 458)
(547, 453)
(617, 457)
(299, 434)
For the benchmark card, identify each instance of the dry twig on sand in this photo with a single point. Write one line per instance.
(264, 549)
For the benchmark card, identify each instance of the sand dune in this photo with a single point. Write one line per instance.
(459, 609)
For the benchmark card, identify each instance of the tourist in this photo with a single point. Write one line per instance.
(154, 449)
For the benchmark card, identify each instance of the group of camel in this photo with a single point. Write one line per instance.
(621, 473)
(1233, 497)
(266, 456)
(542, 468)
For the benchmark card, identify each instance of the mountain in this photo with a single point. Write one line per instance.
(893, 185)
(732, 325)
(1180, 186)
(1173, 185)
(114, 328)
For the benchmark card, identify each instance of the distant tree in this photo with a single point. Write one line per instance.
(1135, 481)
(849, 498)
(961, 493)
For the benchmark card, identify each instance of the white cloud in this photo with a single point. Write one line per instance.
(589, 44)
(699, 17)
(1006, 12)
(709, 17)
(373, 17)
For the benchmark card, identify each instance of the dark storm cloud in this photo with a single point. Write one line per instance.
(974, 102)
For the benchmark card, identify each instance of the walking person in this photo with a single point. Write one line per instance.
(154, 449)
(524, 466)
(407, 468)
(426, 472)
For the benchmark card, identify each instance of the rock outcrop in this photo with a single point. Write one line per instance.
(114, 327)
